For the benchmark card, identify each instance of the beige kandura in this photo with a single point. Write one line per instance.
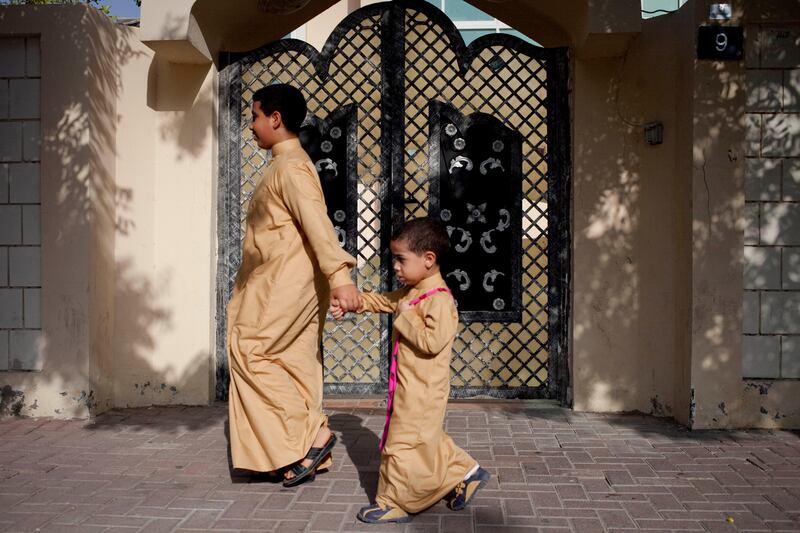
(290, 261)
(420, 463)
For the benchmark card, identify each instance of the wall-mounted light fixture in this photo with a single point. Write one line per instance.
(654, 132)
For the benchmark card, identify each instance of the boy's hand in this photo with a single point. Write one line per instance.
(402, 306)
(336, 310)
(348, 297)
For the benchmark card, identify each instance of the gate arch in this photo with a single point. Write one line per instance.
(405, 120)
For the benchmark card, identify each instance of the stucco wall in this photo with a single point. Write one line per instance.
(658, 231)
(127, 171)
(627, 277)
(165, 242)
(77, 195)
(128, 224)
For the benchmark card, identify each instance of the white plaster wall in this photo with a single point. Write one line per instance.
(77, 108)
(165, 245)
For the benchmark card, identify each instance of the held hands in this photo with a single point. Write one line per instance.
(339, 305)
(344, 299)
(336, 310)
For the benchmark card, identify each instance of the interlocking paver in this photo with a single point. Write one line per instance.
(167, 469)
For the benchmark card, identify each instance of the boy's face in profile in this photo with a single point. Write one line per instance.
(409, 266)
(264, 126)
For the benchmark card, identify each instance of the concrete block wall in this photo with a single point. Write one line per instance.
(771, 273)
(20, 204)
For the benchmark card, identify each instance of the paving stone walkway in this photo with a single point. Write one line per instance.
(167, 469)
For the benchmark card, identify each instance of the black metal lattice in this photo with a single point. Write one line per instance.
(392, 62)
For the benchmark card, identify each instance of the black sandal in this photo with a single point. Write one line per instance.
(317, 455)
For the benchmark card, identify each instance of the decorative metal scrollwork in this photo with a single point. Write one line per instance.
(327, 164)
(462, 278)
(394, 62)
(332, 150)
(460, 162)
(491, 163)
(486, 242)
(472, 205)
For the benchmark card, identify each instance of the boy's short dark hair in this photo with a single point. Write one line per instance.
(286, 100)
(424, 235)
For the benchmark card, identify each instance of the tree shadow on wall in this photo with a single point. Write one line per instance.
(658, 229)
(177, 92)
(84, 214)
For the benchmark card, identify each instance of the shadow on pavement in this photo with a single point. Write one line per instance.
(361, 444)
(170, 419)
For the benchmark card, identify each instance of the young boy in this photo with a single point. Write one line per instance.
(290, 258)
(420, 463)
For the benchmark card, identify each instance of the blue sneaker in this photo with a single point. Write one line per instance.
(375, 514)
(466, 489)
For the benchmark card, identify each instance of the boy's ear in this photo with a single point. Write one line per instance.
(276, 119)
(430, 257)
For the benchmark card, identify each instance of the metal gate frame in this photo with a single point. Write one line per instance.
(393, 128)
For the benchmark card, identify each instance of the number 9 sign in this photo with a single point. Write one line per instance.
(720, 42)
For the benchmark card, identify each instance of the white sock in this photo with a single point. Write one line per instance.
(474, 469)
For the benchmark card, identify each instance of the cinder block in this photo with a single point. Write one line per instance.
(23, 99)
(3, 350)
(11, 308)
(25, 266)
(762, 179)
(32, 301)
(761, 356)
(752, 37)
(780, 47)
(12, 57)
(762, 267)
(790, 357)
(3, 266)
(10, 141)
(791, 268)
(24, 178)
(791, 180)
(751, 223)
(780, 312)
(764, 90)
(31, 140)
(791, 90)
(31, 224)
(752, 134)
(750, 309)
(32, 57)
(781, 135)
(25, 350)
(10, 224)
(3, 183)
(780, 223)
(3, 98)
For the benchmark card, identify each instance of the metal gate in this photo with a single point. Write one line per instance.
(407, 121)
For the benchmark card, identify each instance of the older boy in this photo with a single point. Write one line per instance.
(290, 258)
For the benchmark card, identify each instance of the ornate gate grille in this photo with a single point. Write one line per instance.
(393, 63)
